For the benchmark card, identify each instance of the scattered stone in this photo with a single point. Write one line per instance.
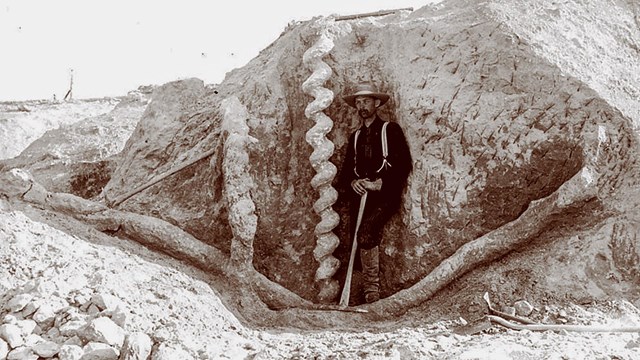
(69, 311)
(10, 319)
(37, 330)
(71, 328)
(46, 349)
(4, 349)
(100, 351)
(562, 317)
(74, 340)
(106, 301)
(81, 299)
(18, 302)
(473, 328)
(119, 315)
(162, 334)
(85, 307)
(22, 108)
(17, 315)
(632, 344)
(26, 326)
(523, 308)
(53, 333)
(29, 309)
(33, 340)
(12, 335)
(509, 310)
(404, 352)
(66, 314)
(22, 353)
(170, 352)
(103, 330)
(70, 352)
(137, 346)
(32, 286)
(44, 316)
(93, 309)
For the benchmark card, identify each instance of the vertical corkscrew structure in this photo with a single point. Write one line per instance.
(326, 241)
(238, 183)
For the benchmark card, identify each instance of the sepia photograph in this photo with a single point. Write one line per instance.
(381, 179)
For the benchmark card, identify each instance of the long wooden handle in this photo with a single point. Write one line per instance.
(546, 327)
(375, 13)
(346, 290)
(503, 314)
(158, 178)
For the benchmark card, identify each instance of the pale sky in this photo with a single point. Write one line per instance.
(114, 46)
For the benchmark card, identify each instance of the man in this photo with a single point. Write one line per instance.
(365, 169)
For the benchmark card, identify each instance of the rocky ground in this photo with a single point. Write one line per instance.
(70, 291)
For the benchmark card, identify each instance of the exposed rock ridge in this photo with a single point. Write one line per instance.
(594, 41)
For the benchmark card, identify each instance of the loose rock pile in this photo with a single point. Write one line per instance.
(81, 325)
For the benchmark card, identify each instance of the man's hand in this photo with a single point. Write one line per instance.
(374, 185)
(360, 186)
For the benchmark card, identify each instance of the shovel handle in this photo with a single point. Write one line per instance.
(346, 290)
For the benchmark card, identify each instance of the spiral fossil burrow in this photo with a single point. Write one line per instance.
(326, 240)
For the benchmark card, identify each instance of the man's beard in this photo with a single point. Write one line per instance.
(364, 113)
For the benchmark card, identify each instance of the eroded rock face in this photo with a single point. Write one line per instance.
(78, 157)
(492, 126)
(174, 128)
(23, 123)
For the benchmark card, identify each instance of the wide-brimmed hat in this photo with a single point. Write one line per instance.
(365, 89)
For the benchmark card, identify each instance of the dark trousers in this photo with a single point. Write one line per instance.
(377, 213)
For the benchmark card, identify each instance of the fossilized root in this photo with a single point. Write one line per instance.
(488, 247)
(326, 241)
(238, 183)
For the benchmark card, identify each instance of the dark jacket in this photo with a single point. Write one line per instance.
(369, 161)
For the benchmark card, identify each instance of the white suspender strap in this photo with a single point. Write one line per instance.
(355, 153)
(385, 146)
(385, 149)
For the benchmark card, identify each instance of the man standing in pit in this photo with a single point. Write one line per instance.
(377, 162)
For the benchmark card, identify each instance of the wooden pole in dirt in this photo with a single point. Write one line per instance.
(346, 290)
(118, 200)
(369, 14)
(69, 94)
(554, 327)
